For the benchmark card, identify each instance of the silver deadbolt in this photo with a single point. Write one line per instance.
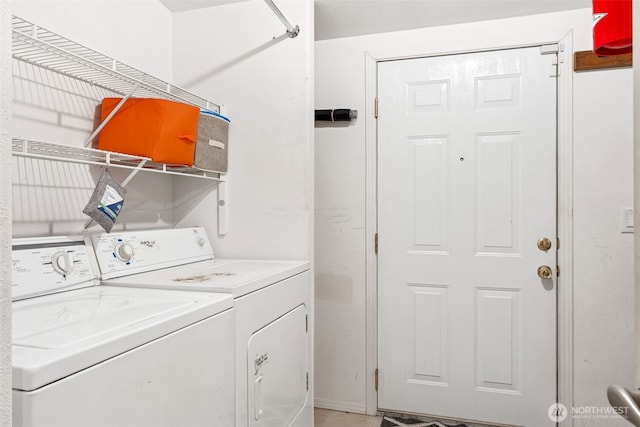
(544, 272)
(544, 244)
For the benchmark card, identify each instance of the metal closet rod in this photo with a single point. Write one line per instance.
(291, 30)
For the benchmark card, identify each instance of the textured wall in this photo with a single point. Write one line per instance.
(5, 215)
(603, 267)
(636, 180)
(265, 85)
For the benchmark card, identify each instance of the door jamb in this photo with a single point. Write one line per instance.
(564, 211)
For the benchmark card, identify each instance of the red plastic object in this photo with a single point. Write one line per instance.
(612, 29)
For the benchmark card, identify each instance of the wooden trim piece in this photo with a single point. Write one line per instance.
(586, 60)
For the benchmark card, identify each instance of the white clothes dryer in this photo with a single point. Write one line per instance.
(272, 306)
(91, 355)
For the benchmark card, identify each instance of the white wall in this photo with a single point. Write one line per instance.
(603, 268)
(603, 259)
(5, 216)
(228, 54)
(636, 192)
(47, 107)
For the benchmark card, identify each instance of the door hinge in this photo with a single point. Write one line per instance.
(306, 322)
(555, 68)
(375, 243)
(307, 381)
(375, 108)
(557, 271)
(376, 379)
(557, 243)
(552, 49)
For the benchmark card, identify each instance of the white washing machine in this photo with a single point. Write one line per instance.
(91, 355)
(272, 307)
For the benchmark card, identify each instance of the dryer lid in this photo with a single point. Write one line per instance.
(57, 335)
(236, 277)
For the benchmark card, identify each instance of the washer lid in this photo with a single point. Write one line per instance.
(57, 335)
(236, 277)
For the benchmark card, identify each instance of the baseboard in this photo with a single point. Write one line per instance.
(339, 405)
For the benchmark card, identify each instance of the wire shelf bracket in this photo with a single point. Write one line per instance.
(110, 116)
(292, 31)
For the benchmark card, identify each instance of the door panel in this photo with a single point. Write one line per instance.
(497, 193)
(429, 339)
(428, 163)
(466, 187)
(498, 356)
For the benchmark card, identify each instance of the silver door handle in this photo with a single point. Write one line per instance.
(626, 402)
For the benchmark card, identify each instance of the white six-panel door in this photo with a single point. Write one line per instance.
(466, 188)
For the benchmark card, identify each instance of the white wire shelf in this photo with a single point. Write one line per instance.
(90, 156)
(42, 48)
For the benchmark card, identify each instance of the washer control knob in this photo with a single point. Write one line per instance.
(62, 263)
(200, 242)
(124, 252)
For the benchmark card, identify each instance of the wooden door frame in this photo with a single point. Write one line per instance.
(564, 200)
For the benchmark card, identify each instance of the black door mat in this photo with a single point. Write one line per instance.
(402, 422)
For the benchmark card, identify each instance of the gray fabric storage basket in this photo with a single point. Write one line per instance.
(212, 142)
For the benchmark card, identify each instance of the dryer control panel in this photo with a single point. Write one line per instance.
(133, 252)
(50, 265)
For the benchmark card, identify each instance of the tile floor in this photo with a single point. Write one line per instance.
(327, 418)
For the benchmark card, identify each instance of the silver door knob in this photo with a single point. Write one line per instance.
(625, 401)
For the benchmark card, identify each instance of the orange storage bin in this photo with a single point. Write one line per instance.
(160, 129)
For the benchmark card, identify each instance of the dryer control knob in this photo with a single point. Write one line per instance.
(200, 242)
(62, 263)
(124, 252)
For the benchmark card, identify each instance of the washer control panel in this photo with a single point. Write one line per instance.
(49, 266)
(131, 252)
